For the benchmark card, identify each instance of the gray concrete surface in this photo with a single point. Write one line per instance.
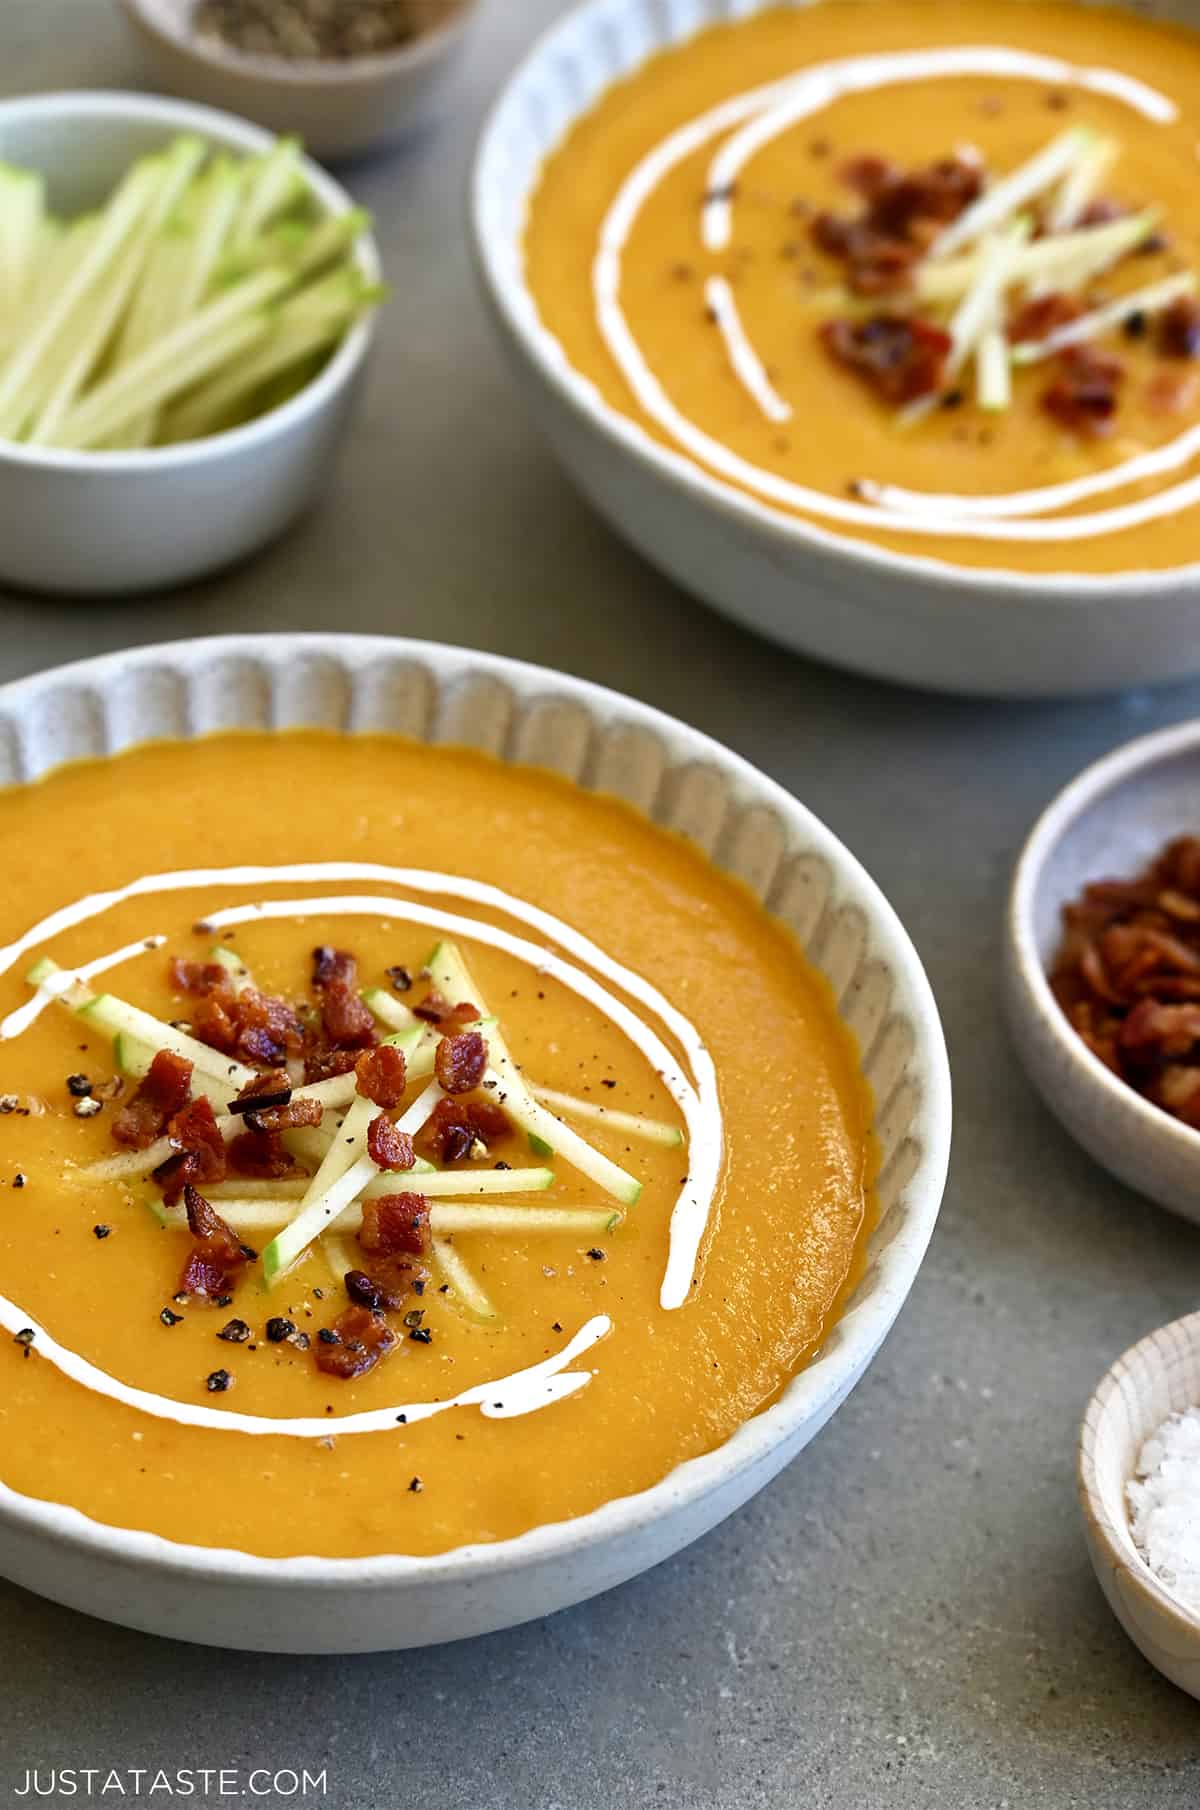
(907, 1617)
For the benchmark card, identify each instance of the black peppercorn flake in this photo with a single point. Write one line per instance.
(597, 1255)
(101, 1231)
(279, 1329)
(414, 1316)
(415, 1487)
(9, 1102)
(328, 1336)
(18, 1180)
(25, 1338)
(223, 1301)
(234, 1332)
(421, 1335)
(217, 1381)
(400, 978)
(79, 1085)
(402, 1420)
(557, 1326)
(170, 1319)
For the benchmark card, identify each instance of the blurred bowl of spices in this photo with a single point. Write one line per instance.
(346, 76)
(1102, 963)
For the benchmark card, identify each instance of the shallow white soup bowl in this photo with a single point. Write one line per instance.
(105, 522)
(682, 780)
(898, 616)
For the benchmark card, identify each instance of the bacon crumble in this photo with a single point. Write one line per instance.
(347, 1022)
(382, 1075)
(216, 1254)
(162, 1092)
(460, 1062)
(1127, 976)
(1083, 396)
(395, 1225)
(456, 1125)
(201, 1150)
(902, 214)
(1041, 315)
(362, 1337)
(436, 1009)
(387, 1147)
(1179, 329)
(900, 357)
(367, 1291)
(260, 1155)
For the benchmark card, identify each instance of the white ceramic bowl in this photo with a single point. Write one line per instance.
(1106, 824)
(104, 522)
(897, 616)
(753, 828)
(1159, 1376)
(339, 109)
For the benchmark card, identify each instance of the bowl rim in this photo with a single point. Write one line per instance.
(517, 309)
(1117, 1540)
(812, 1395)
(1097, 779)
(71, 105)
(169, 29)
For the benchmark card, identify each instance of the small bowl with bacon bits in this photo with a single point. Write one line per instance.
(1103, 963)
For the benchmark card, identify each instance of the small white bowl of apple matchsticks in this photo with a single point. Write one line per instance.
(185, 304)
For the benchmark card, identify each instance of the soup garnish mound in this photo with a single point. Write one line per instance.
(937, 290)
(1027, 294)
(345, 1162)
(350, 1117)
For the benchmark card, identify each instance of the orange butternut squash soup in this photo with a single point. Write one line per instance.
(447, 1152)
(922, 272)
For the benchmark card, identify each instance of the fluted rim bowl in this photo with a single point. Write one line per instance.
(73, 111)
(1158, 1376)
(987, 630)
(678, 777)
(1106, 823)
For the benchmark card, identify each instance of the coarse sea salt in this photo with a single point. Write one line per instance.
(1164, 1502)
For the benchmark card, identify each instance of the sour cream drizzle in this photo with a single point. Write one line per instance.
(747, 365)
(698, 1100)
(57, 984)
(521, 1393)
(754, 119)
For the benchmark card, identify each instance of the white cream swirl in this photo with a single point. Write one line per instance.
(753, 119)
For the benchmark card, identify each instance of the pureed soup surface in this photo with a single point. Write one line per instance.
(744, 317)
(629, 1388)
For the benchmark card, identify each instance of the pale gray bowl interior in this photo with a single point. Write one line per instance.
(84, 151)
(1115, 835)
(83, 156)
